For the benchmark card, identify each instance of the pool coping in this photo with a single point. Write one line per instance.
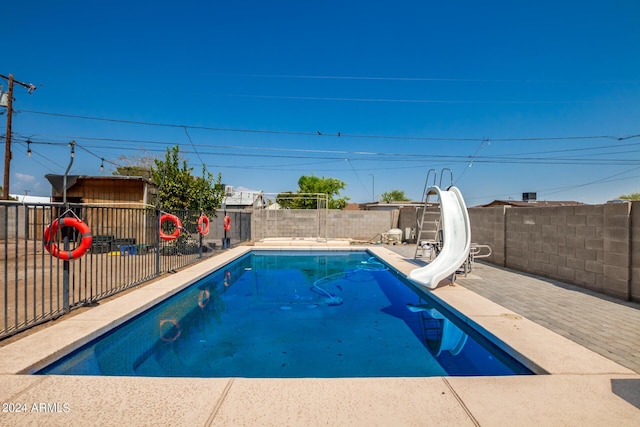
(587, 377)
(510, 331)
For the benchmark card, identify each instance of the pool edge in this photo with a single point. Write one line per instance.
(516, 335)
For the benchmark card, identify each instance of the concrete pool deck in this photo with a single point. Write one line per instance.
(583, 387)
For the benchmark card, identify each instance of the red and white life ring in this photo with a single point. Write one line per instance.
(227, 223)
(203, 225)
(83, 229)
(178, 227)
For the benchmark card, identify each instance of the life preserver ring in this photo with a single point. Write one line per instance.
(176, 221)
(203, 298)
(227, 223)
(203, 225)
(83, 229)
(174, 325)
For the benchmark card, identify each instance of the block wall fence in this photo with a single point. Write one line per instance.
(331, 224)
(596, 247)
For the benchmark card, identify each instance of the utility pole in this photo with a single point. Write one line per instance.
(7, 145)
(7, 148)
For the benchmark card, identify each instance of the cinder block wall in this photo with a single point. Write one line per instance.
(309, 223)
(635, 251)
(596, 247)
(359, 225)
(488, 227)
(287, 223)
(617, 250)
(590, 246)
(409, 216)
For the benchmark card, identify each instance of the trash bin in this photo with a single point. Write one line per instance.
(127, 250)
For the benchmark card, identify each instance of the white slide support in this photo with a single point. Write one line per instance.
(456, 239)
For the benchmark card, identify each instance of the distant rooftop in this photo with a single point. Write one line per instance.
(31, 199)
(531, 204)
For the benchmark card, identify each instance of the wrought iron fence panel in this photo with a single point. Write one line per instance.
(126, 250)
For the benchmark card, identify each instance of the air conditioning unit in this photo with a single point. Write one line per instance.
(228, 190)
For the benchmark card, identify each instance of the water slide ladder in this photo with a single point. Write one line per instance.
(451, 242)
(429, 234)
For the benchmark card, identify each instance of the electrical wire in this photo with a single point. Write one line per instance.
(194, 147)
(328, 156)
(333, 155)
(398, 100)
(421, 79)
(472, 157)
(336, 135)
(356, 174)
(598, 181)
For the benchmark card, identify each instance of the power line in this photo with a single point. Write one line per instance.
(399, 100)
(328, 156)
(336, 135)
(134, 122)
(472, 157)
(482, 142)
(597, 181)
(419, 79)
(194, 147)
(387, 157)
(356, 174)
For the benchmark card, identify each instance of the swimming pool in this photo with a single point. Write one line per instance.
(293, 314)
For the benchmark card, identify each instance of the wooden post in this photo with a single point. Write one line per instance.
(7, 148)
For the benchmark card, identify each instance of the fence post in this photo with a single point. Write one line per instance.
(65, 276)
(201, 238)
(157, 237)
(65, 264)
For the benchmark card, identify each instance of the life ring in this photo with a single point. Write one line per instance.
(203, 225)
(178, 227)
(174, 325)
(83, 229)
(203, 298)
(227, 223)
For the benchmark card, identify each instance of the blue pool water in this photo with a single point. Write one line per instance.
(292, 314)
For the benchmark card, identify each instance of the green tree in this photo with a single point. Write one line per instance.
(314, 185)
(393, 196)
(632, 196)
(178, 189)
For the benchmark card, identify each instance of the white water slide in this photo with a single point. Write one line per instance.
(456, 239)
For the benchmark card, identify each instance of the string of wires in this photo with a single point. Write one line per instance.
(335, 134)
(103, 147)
(587, 156)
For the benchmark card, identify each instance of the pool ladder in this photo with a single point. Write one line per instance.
(433, 240)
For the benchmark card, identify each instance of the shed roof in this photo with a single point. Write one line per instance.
(57, 181)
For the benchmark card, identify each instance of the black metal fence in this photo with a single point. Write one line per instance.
(126, 249)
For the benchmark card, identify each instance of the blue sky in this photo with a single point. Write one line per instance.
(512, 96)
